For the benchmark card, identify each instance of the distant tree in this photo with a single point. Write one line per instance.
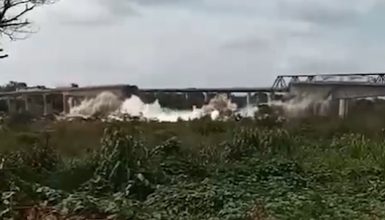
(13, 23)
(13, 86)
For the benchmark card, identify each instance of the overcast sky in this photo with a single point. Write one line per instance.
(184, 43)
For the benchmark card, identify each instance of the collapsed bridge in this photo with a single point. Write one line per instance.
(340, 88)
(47, 101)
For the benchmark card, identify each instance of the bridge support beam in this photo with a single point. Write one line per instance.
(206, 97)
(45, 105)
(66, 108)
(26, 103)
(257, 98)
(11, 104)
(343, 108)
(248, 98)
(269, 97)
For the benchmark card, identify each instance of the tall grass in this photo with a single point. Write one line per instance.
(317, 168)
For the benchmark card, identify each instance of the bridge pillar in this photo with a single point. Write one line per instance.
(248, 97)
(206, 97)
(45, 104)
(11, 105)
(66, 107)
(77, 100)
(269, 97)
(257, 98)
(343, 108)
(70, 101)
(26, 102)
(73, 101)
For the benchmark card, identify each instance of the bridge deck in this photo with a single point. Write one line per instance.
(165, 90)
(209, 90)
(340, 90)
(62, 90)
(332, 74)
(338, 84)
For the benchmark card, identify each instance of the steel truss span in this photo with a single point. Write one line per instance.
(282, 82)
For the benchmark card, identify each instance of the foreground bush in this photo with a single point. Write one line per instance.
(252, 173)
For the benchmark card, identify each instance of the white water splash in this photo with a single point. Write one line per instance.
(108, 104)
(219, 108)
(104, 103)
(302, 105)
(135, 107)
(248, 111)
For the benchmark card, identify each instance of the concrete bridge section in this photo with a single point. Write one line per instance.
(342, 92)
(46, 101)
(341, 87)
(186, 98)
(213, 90)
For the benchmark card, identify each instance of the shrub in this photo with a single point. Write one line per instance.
(264, 141)
(208, 127)
(19, 119)
(28, 138)
(39, 158)
(252, 173)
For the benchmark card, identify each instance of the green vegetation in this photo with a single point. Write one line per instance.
(317, 168)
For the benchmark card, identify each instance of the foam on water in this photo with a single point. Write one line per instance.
(135, 107)
(108, 104)
(104, 103)
(303, 104)
(220, 107)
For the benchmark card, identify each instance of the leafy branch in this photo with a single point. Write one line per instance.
(12, 22)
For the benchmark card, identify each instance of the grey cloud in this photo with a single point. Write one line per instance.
(88, 22)
(327, 12)
(317, 13)
(324, 12)
(224, 48)
(321, 65)
(247, 44)
(159, 2)
(331, 56)
(93, 14)
(119, 8)
(329, 17)
(270, 39)
(124, 8)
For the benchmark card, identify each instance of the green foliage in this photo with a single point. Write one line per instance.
(123, 163)
(36, 158)
(201, 171)
(28, 138)
(207, 127)
(19, 119)
(263, 141)
(8, 201)
(183, 200)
